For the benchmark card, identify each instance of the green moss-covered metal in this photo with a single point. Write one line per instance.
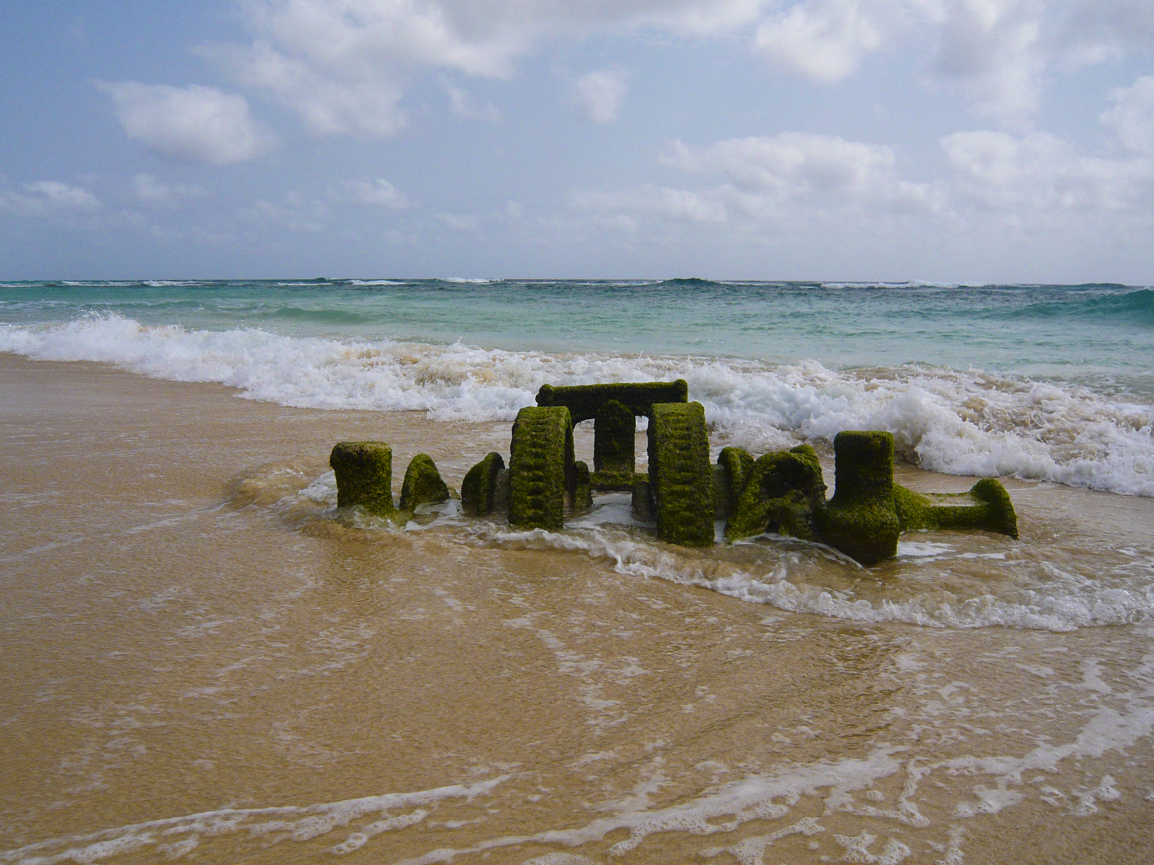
(501, 493)
(680, 475)
(735, 464)
(995, 499)
(781, 494)
(641, 502)
(581, 491)
(860, 519)
(584, 400)
(541, 467)
(720, 493)
(422, 484)
(480, 485)
(364, 473)
(785, 492)
(621, 483)
(986, 507)
(614, 441)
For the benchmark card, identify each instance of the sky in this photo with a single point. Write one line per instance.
(971, 141)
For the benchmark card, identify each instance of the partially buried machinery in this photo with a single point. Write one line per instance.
(682, 492)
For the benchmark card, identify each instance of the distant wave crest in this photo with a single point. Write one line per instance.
(1132, 307)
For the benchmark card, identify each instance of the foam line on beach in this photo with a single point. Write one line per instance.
(175, 836)
(838, 783)
(1020, 595)
(844, 788)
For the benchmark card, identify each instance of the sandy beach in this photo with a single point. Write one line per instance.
(201, 663)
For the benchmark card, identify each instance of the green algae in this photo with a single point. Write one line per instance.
(614, 443)
(860, 519)
(501, 493)
(479, 487)
(986, 507)
(616, 482)
(364, 472)
(784, 492)
(735, 465)
(584, 400)
(641, 502)
(781, 493)
(423, 484)
(541, 467)
(720, 480)
(680, 475)
(581, 488)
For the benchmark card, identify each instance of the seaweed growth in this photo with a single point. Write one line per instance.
(479, 489)
(860, 519)
(782, 492)
(584, 400)
(422, 484)
(364, 473)
(779, 492)
(540, 463)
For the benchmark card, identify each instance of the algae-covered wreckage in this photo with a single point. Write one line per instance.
(682, 492)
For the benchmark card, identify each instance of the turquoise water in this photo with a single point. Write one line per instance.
(1072, 332)
(1045, 382)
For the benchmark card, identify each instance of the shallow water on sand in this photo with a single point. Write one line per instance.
(204, 661)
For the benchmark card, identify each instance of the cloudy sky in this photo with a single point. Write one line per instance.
(939, 140)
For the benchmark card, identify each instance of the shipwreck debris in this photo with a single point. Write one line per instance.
(686, 496)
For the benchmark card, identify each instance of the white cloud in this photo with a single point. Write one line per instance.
(1100, 30)
(376, 192)
(1041, 174)
(601, 93)
(156, 193)
(48, 198)
(996, 186)
(994, 51)
(798, 166)
(459, 221)
(679, 204)
(343, 64)
(463, 105)
(1133, 115)
(294, 214)
(333, 101)
(192, 124)
(772, 185)
(826, 39)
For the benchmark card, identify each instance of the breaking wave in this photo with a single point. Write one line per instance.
(956, 422)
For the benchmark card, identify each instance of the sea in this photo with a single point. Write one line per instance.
(207, 660)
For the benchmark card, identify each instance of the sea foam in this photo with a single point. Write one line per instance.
(953, 421)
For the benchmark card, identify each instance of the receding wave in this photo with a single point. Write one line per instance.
(944, 580)
(990, 589)
(957, 422)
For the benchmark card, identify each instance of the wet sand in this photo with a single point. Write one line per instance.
(199, 666)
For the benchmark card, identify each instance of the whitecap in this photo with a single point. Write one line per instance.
(955, 422)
